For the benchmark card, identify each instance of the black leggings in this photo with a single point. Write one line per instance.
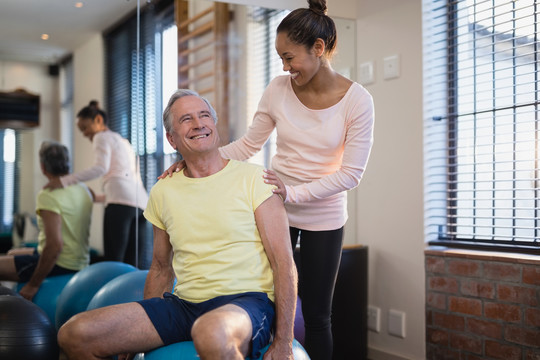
(320, 255)
(119, 240)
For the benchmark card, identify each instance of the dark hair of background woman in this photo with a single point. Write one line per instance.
(91, 111)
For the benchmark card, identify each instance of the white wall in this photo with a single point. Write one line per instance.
(89, 84)
(34, 78)
(390, 197)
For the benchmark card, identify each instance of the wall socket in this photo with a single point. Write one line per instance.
(396, 323)
(374, 318)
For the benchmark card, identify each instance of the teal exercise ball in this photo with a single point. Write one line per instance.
(49, 292)
(122, 289)
(185, 350)
(84, 285)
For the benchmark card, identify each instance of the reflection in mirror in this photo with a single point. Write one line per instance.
(135, 111)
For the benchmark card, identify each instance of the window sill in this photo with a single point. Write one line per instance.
(483, 255)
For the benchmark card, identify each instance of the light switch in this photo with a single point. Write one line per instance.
(366, 73)
(391, 67)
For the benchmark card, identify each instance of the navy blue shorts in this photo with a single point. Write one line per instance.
(173, 317)
(25, 265)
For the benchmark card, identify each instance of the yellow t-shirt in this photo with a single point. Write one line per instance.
(211, 224)
(74, 205)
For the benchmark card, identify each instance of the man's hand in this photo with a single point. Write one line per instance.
(279, 350)
(29, 291)
(176, 167)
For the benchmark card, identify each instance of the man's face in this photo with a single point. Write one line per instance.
(193, 128)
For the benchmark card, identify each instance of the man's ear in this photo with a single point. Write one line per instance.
(319, 47)
(170, 140)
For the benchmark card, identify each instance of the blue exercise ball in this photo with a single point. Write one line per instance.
(49, 292)
(122, 289)
(84, 285)
(185, 350)
(26, 332)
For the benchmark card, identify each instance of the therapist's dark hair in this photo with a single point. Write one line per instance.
(304, 26)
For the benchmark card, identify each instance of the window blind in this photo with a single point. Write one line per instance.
(264, 65)
(481, 116)
(133, 70)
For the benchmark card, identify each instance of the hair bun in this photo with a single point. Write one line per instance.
(94, 104)
(318, 6)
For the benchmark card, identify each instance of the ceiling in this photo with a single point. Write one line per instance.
(23, 21)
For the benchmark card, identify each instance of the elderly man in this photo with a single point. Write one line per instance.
(223, 234)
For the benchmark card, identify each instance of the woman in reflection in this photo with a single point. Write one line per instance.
(63, 219)
(324, 125)
(125, 196)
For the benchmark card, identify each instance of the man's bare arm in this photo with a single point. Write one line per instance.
(273, 227)
(160, 276)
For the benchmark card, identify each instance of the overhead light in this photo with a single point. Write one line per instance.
(79, 4)
(44, 36)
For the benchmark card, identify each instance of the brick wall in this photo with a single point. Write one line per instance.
(482, 305)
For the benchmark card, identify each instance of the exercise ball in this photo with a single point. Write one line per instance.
(26, 332)
(122, 289)
(185, 350)
(49, 291)
(84, 285)
(7, 291)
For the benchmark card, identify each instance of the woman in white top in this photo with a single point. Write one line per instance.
(125, 196)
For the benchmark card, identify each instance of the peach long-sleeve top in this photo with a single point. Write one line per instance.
(114, 160)
(320, 154)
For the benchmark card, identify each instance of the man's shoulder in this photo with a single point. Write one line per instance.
(245, 166)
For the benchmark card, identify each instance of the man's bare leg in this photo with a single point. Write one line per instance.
(101, 333)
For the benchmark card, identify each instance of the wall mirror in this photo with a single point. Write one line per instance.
(243, 55)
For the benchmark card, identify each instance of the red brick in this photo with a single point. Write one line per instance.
(505, 312)
(429, 316)
(435, 336)
(485, 328)
(532, 317)
(444, 284)
(531, 275)
(501, 351)
(478, 288)
(437, 301)
(532, 355)
(449, 321)
(464, 268)
(522, 336)
(517, 294)
(474, 357)
(466, 342)
(435, 264)
(439, 353)
(502, 271)
(465, 305)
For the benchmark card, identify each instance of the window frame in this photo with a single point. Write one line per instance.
(447, 234)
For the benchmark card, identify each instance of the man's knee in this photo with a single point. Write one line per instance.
(73, 334)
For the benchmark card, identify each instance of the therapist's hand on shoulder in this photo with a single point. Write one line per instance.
(174, 168)
(271, 178)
